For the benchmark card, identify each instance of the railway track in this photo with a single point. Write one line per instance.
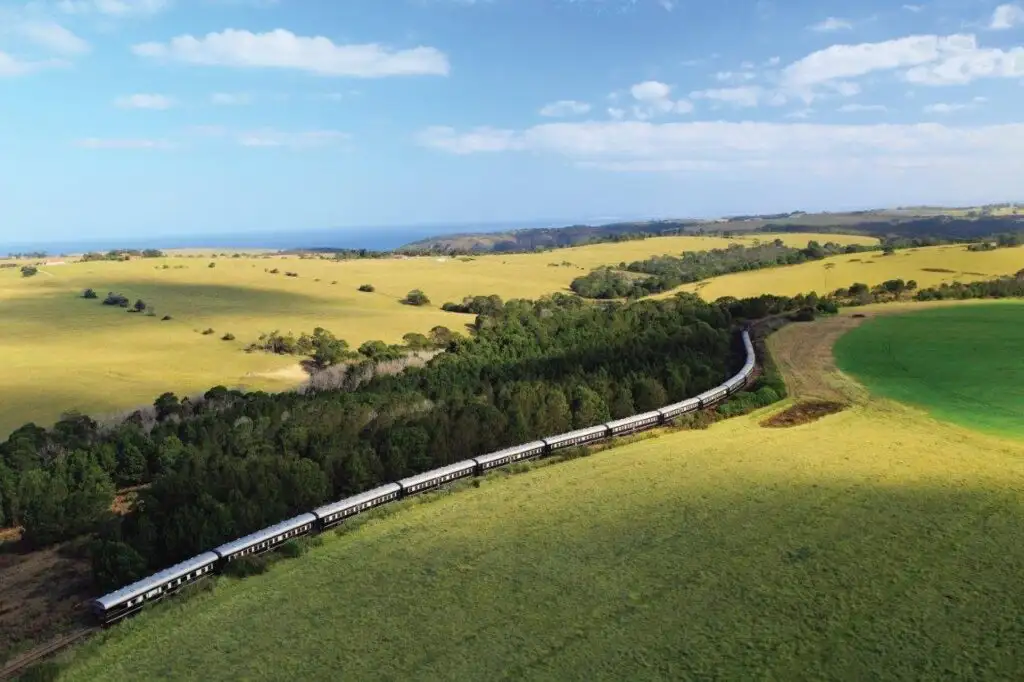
(19, 664)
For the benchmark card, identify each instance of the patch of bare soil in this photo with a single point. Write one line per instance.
(804, 413)
(42, 594)
(803, 353)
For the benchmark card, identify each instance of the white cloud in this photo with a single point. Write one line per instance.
(951, 107)
(230, 98)
(11, 67)
(616, 113)
(832, 24)
(53, 37)
(767, 148)
(1006, 17)
(283, 49)
(804, 113)
(653, 98)
(747, 96)
(564, 107)
(860, 108)
(123, 143)
(913, 8)
(113, 8)
(969, 65)
(735, 76)
(850, 61)
(143, 101)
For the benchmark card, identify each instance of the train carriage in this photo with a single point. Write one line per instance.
(129, 599)
(431, 479)
(634, 423)
(332, 514)
(509, 455)
(676, 409)
(266, 539)
(578, 437)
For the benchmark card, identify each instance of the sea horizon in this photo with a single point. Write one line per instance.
(375, 238)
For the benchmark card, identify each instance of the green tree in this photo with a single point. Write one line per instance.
(115, 563)
(166, 405)
(416, 297)
(649, 394)
(622, 403)
(588, 408)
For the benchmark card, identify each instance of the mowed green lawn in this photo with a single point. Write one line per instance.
(964, 363)
(873, 544)
(60, 352)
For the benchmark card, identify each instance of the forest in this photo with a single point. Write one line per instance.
(215, 468)
(662, 273)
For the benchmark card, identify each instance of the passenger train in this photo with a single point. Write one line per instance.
(114, 606)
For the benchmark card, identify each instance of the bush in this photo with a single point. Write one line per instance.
(165, 318)
(247, 566)
(208, 331)
(89, 293)
(228, 337)
(416, 297)
(212, 265)
(369, 288)
(29, 270)
(274, 271)
(116, 299)
(139, 306)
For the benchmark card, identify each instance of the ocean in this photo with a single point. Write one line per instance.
(375, 238)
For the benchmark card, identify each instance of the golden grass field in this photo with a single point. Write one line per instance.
(953, 262)
(877, 543)
(61, 352)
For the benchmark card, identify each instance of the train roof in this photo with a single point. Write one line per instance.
(634, 418)
(575, 434)
(265, 534)
(340, 505)
(435, 473)
(156, 580)
(515, 450)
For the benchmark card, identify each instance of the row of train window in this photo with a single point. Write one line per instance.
(172, 584)
(434, 481)
(274, 540)
(360, 507)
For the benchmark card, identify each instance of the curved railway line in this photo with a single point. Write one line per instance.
(130, 599)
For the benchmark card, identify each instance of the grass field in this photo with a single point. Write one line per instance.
(928, 266)
(962, 363)
(877, 543)
(61, 352)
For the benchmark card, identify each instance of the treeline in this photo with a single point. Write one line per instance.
(922, 231)
(228, 463)
(662, 273)
(122, 254)
(1004, 287)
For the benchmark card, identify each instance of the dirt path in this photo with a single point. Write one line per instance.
(803, 352)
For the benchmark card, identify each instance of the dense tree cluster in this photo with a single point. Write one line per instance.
(1004, 287)
(662, 273)
(477, 305)
(29, 271)
(122, 254)
(324, 348)
(228, 463)
(416, 297)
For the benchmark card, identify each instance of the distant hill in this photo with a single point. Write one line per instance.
(900, 223)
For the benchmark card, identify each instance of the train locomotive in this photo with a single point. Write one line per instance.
(112, 607)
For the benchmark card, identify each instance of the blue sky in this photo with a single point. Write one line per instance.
(151, 117)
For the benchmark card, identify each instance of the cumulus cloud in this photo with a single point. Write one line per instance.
(832, 24)
(564, 107)
(966, 66)
(113, 8)
(144, 101)
(53, 37)
(654, 98)
(1006, 16)
(285, 50)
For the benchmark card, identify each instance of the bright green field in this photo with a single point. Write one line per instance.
(963, 364)
(874, 544)
(60, 352)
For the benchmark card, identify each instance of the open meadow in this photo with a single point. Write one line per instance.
(928, 266)
(961, 363)
(876, 543)
(62, 352)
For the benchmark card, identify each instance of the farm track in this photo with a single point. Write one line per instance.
(19, 664)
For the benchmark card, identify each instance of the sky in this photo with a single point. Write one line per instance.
(121, 118)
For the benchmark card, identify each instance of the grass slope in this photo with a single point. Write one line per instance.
(873, 544)
(61, 352)
(962, 363)
(928, 266)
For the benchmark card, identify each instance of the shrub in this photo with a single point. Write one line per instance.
(208, 331)
(212, 265)
(369, 288)
(116, 299)
(228, 337)
(246, 566)
(139, 306)
(29, 270)
(274, 271)
(165, 318)
(416, 297)
(89, 293)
